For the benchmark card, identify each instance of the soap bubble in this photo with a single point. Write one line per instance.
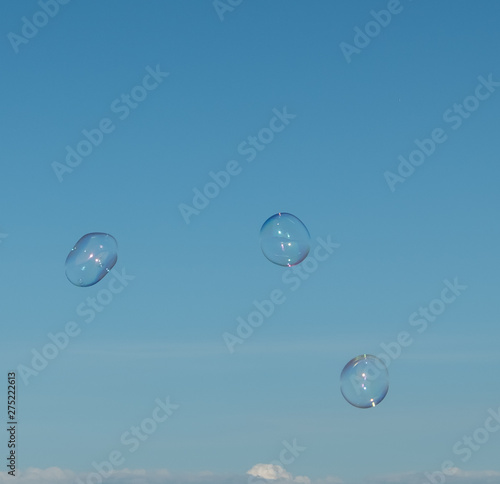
(284, 239)
(92, 257)
(364, 381)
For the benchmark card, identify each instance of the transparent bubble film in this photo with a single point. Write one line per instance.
(284, 240)
(92, 257)
(364, 381)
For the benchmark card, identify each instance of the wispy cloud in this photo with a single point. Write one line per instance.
(259, 473)
(455, 476)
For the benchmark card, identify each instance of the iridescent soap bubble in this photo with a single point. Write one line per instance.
(92, 257)
(284, 239)
(364, 381)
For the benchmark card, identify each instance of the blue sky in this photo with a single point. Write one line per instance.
(331, 127)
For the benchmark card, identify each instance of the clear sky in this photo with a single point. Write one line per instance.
(305, 113)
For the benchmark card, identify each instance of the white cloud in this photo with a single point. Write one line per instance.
(55, 475)
(275, 472)
(455, 476)
(43, 476)
(267, 473)
(459, 473)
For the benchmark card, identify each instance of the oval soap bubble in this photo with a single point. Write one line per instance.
(92, 257)
(364, 381)
(284, 239)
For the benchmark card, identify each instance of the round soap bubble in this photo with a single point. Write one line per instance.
(284, 239)
(92, 257)
(364, 381)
